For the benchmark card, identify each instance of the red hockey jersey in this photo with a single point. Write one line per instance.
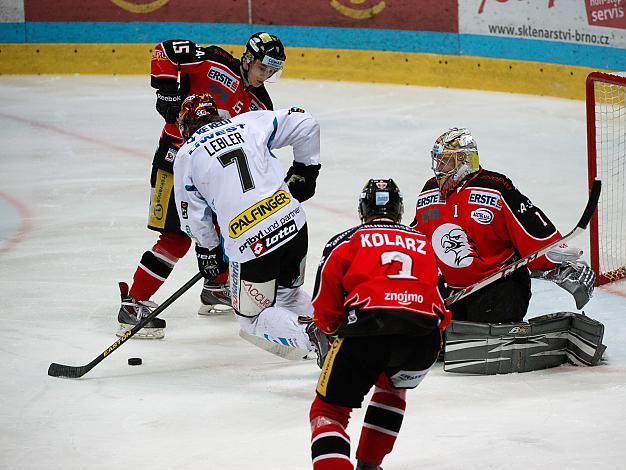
(481, 226)
(379, 278)
(204, 70)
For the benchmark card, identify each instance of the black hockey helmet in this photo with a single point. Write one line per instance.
(195, 112)
(267, 49)
(381, 198)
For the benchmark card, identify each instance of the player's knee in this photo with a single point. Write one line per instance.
(173, 246)
(322, 414)
(396, 392)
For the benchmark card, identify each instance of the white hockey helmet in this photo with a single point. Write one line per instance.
(454, 156)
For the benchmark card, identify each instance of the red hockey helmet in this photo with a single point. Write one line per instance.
(195, 112)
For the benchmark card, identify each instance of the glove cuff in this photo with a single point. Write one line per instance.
(307, 171)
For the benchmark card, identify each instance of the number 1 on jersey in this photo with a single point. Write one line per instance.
(239, 157)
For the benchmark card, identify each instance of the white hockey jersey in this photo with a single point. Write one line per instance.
(228, 169)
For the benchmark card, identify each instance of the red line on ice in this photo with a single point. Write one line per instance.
(24, 223)
(103, 143)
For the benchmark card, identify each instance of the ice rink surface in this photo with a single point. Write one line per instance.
(76, 154)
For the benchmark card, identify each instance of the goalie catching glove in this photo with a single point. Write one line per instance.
(212, 264)
(301, 180)
(576, 277)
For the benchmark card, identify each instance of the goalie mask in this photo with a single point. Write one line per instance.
(454, 157)
(195, 112)
(380, 198)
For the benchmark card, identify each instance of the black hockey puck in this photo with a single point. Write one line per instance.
(134, 361)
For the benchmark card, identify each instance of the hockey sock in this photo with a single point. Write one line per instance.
(381, 425)
(157, 264)
(330, 444)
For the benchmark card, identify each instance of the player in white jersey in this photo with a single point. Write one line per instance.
(226, 171)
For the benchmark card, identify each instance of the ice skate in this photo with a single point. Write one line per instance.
(215, 299)
(365, 466)
(131, 313)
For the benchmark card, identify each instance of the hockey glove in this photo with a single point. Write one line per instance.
(301, 180)
(168, 104)
(211, 263)
(576, 277)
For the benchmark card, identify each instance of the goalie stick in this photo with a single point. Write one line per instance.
(592, 203)
(74, 372)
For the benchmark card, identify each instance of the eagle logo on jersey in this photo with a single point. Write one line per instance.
(453, 246)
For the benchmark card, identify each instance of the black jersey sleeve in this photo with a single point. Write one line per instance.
(530, 217)
(183, 51)
(332, 244)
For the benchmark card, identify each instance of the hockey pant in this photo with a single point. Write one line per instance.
(391, 364)
(279, 322)
(157, 264)
(330, 444)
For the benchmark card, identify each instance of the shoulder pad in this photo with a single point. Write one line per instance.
(430, 184)
(492, 180)
(217, 54)
(340, 238)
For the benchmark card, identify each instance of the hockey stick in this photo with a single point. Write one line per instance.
(74, 372)
(592, 203)
(286, 352)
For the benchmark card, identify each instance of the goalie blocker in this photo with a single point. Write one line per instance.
(541, 343)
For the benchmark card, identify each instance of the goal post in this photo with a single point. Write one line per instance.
(606, 153)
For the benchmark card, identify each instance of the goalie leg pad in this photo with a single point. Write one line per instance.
(544, 342)
(488, 349)
(584, 339)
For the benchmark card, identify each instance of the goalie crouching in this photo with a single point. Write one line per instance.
(478, 222)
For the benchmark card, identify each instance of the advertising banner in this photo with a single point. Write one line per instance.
(11, 11)
(423, 15)
(585, 22)
(187, 11)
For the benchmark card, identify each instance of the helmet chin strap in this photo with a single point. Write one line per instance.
(244, 74)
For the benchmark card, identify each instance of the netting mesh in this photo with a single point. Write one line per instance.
(610, 124)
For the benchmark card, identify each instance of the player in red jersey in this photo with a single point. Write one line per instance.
(477, 222)
(180, 68)
(378, 289)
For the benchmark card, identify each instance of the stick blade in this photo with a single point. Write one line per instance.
(286, 352)
(70, 372)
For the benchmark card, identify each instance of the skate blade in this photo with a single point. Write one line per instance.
(144, 333)
(216, 309)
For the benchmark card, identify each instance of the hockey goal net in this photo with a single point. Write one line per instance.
(606, 150)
